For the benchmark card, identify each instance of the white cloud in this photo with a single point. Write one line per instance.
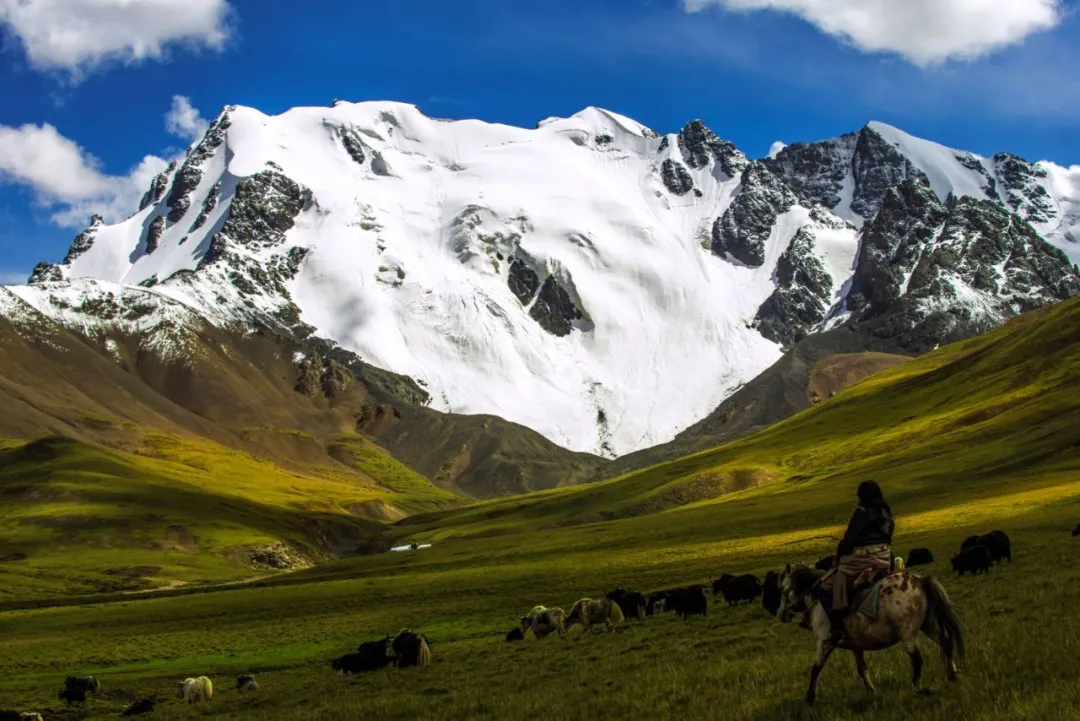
(776, 147)
(77, 35)
(69, 182)
(924, 32)
(183, 120)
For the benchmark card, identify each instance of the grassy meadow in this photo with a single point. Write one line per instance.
(981, 435)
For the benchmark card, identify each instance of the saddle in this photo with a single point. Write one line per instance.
(864, 592)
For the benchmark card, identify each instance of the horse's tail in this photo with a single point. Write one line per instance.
(942, 622)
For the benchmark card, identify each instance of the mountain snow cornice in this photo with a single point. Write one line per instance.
(588, 278)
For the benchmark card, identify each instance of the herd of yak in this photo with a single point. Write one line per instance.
(408, 649)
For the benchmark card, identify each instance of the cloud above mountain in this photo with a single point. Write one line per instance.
(925, 32)
(69, 181)
(76, 36)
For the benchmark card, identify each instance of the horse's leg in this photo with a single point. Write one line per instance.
(824, 650)
(860, 666)
(915, 655)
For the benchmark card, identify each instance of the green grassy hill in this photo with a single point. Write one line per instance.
(980, 435)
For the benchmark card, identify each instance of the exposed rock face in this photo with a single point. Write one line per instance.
(930, 274)
(1022, 189)
(45, 272)
(523, 281)
(157, 187)
(209, 204)
(263, 208)
(554, 309)
(354, 146)
(816, 171)
(747, 223)
(379, 166)
(153, 234)
(84, 240)
(802, 296)
(675, 177)
(700, 145)
(190, 174)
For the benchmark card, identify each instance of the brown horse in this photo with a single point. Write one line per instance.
(906, 604)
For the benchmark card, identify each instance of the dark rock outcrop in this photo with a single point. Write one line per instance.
(523, 281)
(744, 227)
(700, 145)
(675, 177)
(153, 234)
(353, 145)
(190, 174)
(931, 273)
(209, 204)
(158, 186)
(45, 272)
(554, 309)
(802, 295)
(84, 240)
(1022, 188)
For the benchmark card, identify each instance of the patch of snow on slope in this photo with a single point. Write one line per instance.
(939, 163)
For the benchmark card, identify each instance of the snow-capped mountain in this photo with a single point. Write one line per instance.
(590, 279)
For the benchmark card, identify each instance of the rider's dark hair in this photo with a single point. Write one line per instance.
(870, 492)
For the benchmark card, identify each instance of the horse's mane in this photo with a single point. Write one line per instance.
(803, 579)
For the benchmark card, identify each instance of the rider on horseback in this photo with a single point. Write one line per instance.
(867, 545)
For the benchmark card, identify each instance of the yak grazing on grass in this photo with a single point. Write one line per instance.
(589, 612)
(657, 603)
(770, 592)
(370, 656)
(543, 621)
(195, 690)
(972, 560)
(997, 542)
(410, 649)
(246, 683)
(688, 601)
(737, 589)
(143, 705)
(515, 634)
(631, 603)
(919, 557)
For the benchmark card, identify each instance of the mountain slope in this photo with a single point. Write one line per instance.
(110, 362)
(588, 279)
(994, 414)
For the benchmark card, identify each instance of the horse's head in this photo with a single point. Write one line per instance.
(795, 584)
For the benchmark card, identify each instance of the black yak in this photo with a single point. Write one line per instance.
(689, 601)
(371, 656)
(972, 560)
(143, 705)
(1076, 531)
(410, 649)
(631, 603)
(737, 589)
(919, 557)
(515, 635)
(997, 542)
(770, 592)
(657, 603)
(246, 683)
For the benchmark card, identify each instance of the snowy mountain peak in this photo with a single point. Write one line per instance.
(587, 278)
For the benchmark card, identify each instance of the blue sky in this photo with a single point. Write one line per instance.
(756, 71)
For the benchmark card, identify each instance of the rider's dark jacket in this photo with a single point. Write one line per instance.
(871, 524)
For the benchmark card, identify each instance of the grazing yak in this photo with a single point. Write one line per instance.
(688, 601)
(246, 683)
(657, 603)
(86, 684)
(73, 696)
(770, 593)
(919, 557)
(143, 705)
(515, 635)
(543, 621)
(997, 542)
(589, 613)
(195, 690)
(972, 560)
(737, 589)
(825, 563)
(631, 603)
(370, 656)
(410, 649)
